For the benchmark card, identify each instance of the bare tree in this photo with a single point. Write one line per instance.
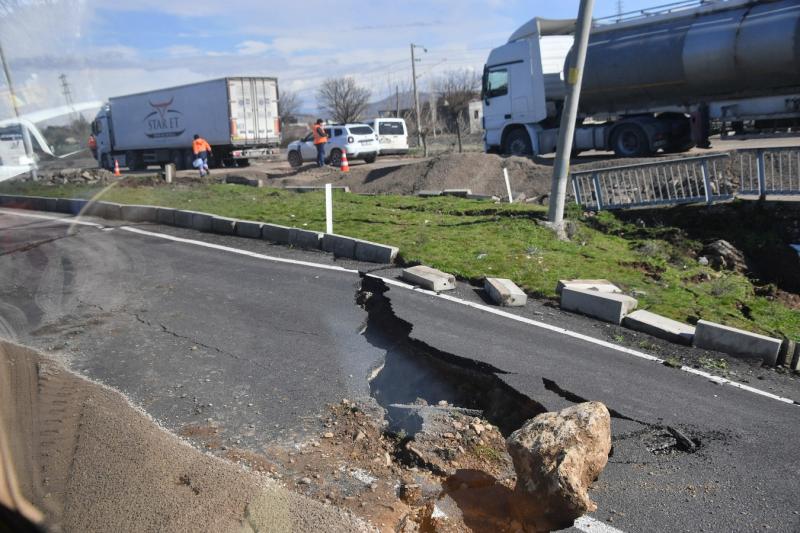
(457, 89)
(342, 99)
(288, 105)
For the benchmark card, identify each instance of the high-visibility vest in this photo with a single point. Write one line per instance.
(92, 142)
(319, 134)
(200, 145)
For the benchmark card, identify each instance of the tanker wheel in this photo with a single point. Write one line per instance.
(179, 160)
(629, 140)
(518, 143)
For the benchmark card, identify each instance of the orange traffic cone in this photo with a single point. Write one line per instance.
(116, 168)
(345, 166)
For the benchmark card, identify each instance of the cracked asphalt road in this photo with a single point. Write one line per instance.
(259, 347)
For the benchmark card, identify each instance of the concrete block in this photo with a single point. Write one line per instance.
(223, 225)
(429, 278)
(786, 352)
(275, 233)
(71, 206)
(461, 193)
(375, 253)
(339, 245)
(140, 213)
(795, 363)
(94, 209)
(166, 215)
(183, 219)
(483, 197)
(504, 292)
(659, 326)
(428, 194)
(51, 204)
(303, 238)
(608, 306)
(251, 230)
(602, 285)
(111, 210)
(737, 342)
(201, 221)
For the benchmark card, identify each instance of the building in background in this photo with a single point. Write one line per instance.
(476, 116)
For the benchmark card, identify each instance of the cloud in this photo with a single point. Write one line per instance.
(251, 48)
(183, 50)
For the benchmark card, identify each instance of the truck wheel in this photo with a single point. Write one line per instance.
(629, 140)
(335, 159)
(370, 158)
(295, 161)
(134, 160)
(518, 143)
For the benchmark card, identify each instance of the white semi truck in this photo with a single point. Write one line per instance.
(654, 80)
(237, 116)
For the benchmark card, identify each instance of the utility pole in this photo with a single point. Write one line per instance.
(566, 132)
(26, 135)
(416, 94)
(619, 10)
(397, 101)
(66, 90)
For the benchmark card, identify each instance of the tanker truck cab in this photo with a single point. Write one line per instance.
(515, 110)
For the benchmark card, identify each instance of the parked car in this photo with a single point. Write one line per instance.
(358, 140)
(392, 135)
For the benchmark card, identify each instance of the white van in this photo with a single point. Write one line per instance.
(392, 135)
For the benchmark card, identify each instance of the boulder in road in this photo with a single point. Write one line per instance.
(557, 456)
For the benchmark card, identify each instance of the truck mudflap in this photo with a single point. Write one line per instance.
(257, 153)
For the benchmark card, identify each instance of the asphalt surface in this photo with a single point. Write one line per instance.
(192, 333)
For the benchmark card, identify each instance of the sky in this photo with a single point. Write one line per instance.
(110, 48)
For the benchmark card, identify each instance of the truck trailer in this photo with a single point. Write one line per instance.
(656, 79)
(237, 116)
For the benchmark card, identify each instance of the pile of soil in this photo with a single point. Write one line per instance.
(479, 172)
(72, 176)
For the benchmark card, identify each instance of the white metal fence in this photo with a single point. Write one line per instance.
(768, 171)
(760, 171)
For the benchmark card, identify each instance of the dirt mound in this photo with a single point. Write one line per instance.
(92, 462)
(482, 173)
(74, 176)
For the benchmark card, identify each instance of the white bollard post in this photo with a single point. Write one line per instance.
(508, 186)
(328, 208)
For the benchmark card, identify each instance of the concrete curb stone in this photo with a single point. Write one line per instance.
(139, 213)
(183, 219)
(660, 327)
(429, 278)
(251, 230)
(736, 342)
(303, 238)
(166, 216)
(607, 306)
(275, 233)
(223, 225)
(202, 221)
(504, 292)
(339, 245)
(374, 252)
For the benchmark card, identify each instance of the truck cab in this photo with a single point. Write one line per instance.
(101, 129)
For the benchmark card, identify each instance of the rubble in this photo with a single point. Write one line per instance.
(722, 255)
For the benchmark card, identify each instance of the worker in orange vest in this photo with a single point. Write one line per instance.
(93, 145)
(320, 138)
(201, 150)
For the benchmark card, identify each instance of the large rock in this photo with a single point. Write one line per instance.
(557, 456)
(724, 256)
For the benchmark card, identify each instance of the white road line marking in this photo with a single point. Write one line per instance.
(238, 250)
(498, 312)
(62, 220)
(591, 525)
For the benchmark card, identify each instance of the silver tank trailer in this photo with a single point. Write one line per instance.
(741, 52)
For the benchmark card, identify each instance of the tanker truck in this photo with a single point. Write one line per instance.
(654, 80)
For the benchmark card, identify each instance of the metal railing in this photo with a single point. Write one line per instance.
(687, 180)
(773, 171)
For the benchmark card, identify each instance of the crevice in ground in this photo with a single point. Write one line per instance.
(33, 245)
(417, 373)
(168, 331)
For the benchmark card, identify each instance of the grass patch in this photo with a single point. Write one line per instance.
(487, 453)
(473, 239)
